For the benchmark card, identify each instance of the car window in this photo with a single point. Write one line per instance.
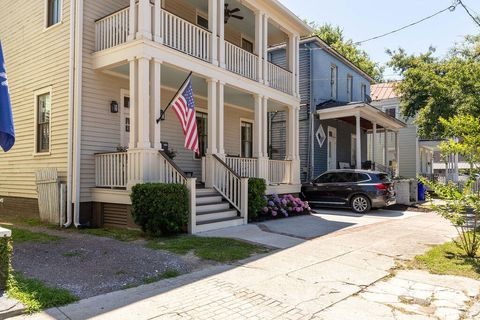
(384, 177)
(345, 177)
(362, 177)
(326, 178)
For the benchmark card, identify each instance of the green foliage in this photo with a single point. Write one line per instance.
(333, 36)
(164, 275)
(160, 209)
(5, 263)
(434, 87)
(125, 235)
(216, 249)
(256, 196)
(22, 235)
(35, 295)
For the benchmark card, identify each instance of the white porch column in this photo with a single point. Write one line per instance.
(374, 142)
(265, 49)
(359, 142)
(385, 150)
(259, 43)
(132, 20)
(158, 32)
(212, 26)
(212, 131)
(156, 104)
(292, 60)
(221, 33)
(397, 154)
(265, 127)
(258, 127)
(297, 60)
(220, 118)
(143, 103)
(292, 144)
(133, 104)
(144, 20)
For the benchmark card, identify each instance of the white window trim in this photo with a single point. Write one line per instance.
(45, 19)
(123, 93)
(396, 107)
(252, 122)
(334, 92)
(350, 86)
(36, 94)
(203, 15)
(249, 39)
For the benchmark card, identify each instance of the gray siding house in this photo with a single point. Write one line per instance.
(335, 118)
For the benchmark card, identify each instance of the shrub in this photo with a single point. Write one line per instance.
(285, 206)
(256, 201)
(5, 264)
(160, 209)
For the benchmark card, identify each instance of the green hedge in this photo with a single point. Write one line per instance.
(256, 197)
(160, 209)
(5, 264)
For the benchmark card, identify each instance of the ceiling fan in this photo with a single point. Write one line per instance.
(231, 13)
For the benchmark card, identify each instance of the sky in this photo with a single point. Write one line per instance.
(364, 19)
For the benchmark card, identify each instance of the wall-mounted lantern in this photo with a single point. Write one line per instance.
(114, 107)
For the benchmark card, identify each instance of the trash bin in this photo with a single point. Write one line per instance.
(421, 191)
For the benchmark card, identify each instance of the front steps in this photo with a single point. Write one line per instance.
(213, 212)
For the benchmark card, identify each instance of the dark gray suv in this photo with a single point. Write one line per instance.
(360, 190)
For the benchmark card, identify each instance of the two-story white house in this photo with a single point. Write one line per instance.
(88, 80)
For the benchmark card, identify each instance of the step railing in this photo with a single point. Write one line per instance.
(244, 167)
(279, 171)
(111, 170)
(279, 78)
(186, 37)
(231, 186)
(240, 61)
(112, 30)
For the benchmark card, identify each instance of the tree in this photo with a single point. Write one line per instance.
(461, 203)
(434, 87)
(333, 36)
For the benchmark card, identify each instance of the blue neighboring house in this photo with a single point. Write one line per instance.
(336, 119)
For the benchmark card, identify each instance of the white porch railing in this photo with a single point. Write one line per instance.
(244, 167)
(280, 78)
(111, 170)
(230, 185)
(169, 171)
(184, 36)
(241, 61)
(279, 172)
(112, 31)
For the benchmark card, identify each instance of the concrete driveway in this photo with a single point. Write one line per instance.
(336, 276)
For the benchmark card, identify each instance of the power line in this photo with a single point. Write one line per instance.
(450, 8)
(468, 11)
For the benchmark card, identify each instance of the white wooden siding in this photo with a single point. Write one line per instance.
(35, 58)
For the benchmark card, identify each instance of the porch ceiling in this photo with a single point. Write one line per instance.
(367, 113)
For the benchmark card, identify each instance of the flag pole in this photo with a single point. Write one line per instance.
(162, 112)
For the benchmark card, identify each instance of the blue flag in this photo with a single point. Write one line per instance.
(7, 131)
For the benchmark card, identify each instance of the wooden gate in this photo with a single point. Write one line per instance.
(48, 190)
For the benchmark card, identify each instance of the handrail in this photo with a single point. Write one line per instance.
(108, 152)
(279, 66)
(173, 164)
(111, 14)
(236, 45)
(227, 167)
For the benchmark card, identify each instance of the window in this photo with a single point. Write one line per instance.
(391, 111)
(202, 128)
(350, 88)
(333, 82)
(127, 124)
(364, 92)
(362, 177)
(54, 8)
(202, 21)
(327, 178)
(247, 137)
(247, 45)
(43, 122)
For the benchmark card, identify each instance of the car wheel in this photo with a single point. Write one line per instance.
(360, 204)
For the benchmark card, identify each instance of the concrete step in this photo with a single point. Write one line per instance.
(216, 215)
(211, 199)
(206, 193)
(219, 224)
(213, 207)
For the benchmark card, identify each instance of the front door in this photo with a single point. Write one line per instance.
(332, 149)
(124, 118)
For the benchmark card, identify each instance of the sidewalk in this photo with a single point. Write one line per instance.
(319, 279)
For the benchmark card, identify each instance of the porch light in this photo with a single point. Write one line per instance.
(114, 107)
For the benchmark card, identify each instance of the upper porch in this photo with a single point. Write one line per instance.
(232, 36)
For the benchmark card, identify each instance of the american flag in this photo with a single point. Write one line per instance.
(184, 107)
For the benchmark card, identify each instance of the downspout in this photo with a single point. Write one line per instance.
(78, 106)
(312, 110)
(71, 96)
